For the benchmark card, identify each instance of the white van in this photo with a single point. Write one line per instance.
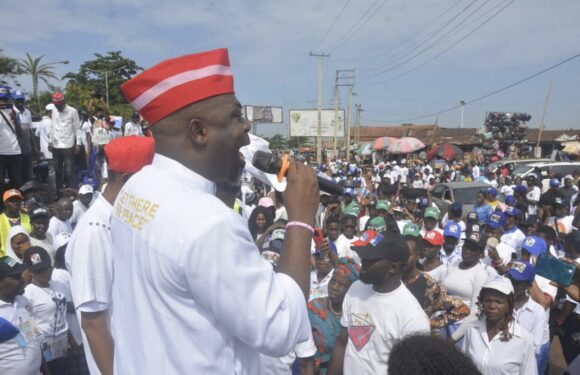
(548, 170)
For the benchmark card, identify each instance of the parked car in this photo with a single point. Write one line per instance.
(549, 170)
(515, 163)
(463, 192)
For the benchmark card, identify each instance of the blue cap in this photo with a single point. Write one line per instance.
(534, 245)
(521, 189)
(423, 202)
(554, 182)
(349, 191)
(17, 95)
(492, 191)
(510, 200)
(522, 271)
(512, 211)
(496, 220)
(456, 207)
(4, 92)
(452, 230)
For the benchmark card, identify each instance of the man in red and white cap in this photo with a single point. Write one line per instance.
(64, 141)
(203, 298)
(89, 255)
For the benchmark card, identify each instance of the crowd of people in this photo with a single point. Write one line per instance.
(167, 257)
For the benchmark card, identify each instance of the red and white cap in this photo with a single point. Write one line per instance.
(176, 83)
(57, 97)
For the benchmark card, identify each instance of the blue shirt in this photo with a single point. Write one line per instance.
(483, 212)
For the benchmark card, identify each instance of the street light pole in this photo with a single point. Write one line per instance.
(106, 73)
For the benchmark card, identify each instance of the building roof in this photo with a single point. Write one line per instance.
(430, 134)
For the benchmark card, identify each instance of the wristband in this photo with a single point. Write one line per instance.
(301, 225)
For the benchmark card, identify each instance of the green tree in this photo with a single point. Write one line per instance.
(277, 142)
(104, 75)
(9, 68)
(38, 72)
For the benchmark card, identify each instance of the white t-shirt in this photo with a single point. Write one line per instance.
(78, 211)
(550, 290)
(221, 307)
(507, 190)
(343, 249)
(133, 129)
(50, 315)
(564, 224)
(57, 226)
(319, 289)
(23, 358)
(8, 140)
(404, 175)
(46, 244)
(475, 172)
(65, 129)
(532, 317)
(42, 129)
(89, 258)
(283, 365)
(465, 284)
(514, 237)
(513, 357)
(375, 321)
(438, 273)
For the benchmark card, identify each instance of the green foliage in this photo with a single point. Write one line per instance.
(112, 67)
(9, 68)
(277, 142)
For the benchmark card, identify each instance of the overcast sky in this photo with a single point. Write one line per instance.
(269, 43)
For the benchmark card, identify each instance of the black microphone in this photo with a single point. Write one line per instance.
(270, 163)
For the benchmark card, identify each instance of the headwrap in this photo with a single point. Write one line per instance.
(348, 268)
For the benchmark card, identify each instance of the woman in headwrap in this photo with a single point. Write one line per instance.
(17, 242)
(325, 313)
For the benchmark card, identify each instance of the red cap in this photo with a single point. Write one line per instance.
(11, 194)
(179, 82)
(57, 97)
(129, 154)
(434, 237)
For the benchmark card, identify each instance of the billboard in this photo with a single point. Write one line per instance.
(263, 114)
(304, 123)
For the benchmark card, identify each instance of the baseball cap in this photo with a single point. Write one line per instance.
(383, 205)
(432, 213)
(39, 212)
(86, 189)
(554, 182)
(452, 230)
(377, 223)
(471, 217)
(534, 245)
(496, 219)
(501, 284)
(491, 191)
(130, 154)
(57, 97)
(510, 200)
(456, 207)
(521, 189)
(266, 202)
(411, 230)
(374, 245)
(522, 271)
(512, 211)
(36, 259)
(474, 236)
(349, 191)
(568, 176)
(4, 92)
(12, 193)
(559, 201)
(423, 202)
(10, 267)
(434, 237)
(17, 95)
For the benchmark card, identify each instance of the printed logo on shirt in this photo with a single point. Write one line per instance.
(361, 330)
(135, 211)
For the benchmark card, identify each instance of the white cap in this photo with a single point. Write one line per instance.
(86, 189)
(501, 284)
(394, 162)
(403, 161)
(569, 176)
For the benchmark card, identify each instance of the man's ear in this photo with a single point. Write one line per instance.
(198, 132)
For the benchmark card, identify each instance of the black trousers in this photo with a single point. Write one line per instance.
(11, 164)
(64, 163)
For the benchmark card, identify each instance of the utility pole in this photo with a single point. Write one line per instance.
(462, 103)
(336, 104)
(320, 56)
(346, 78)
(106, 73)
(544, 114)
(357, 134)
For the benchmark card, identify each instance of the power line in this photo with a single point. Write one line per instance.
(408, 39)
(450, 47)
(332, 26)
(358, 25)
(490, 93)
(398, 63)
(429, 36)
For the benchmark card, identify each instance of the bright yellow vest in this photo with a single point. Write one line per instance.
(5, 227)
